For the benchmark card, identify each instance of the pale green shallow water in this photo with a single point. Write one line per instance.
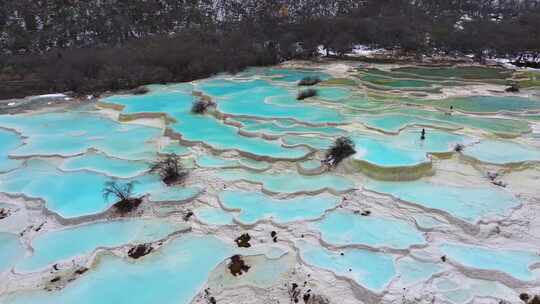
(486, 104)
(502, 152)
(405, 116)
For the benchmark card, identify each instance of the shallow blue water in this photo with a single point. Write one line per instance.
(412, 271)
(260, 98)
(465, 202)
(77, 193)
(406, 148)
(11, 250)
(106, 165)
(73, 133)
(289, 182)
(59, 245)
(346, 228)
(185, 262)
(8, 142)
(205, 128)
(369, 269)
(515, 263)
(255, 206)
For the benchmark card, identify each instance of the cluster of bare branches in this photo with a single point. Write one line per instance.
(123, 194)
(342, 148)
(170, 169)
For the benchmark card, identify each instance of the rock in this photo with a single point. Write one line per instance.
(513, 88)
(4, 213)
(243, 241)
(55, 279)
(237, 266)
(273, 234)
(81, 270)
(524, 297)
(140, 251)
(187, 215)
(318, 299)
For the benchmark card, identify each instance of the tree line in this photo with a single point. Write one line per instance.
(96, 45)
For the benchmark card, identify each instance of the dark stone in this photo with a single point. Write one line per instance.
(294, 292)
(237, 266)
(512, 89)
(140, 250)
(81, 270)
(188, 215)
(366, 213)
(243, 241)
(459, 148)
(500, 184)
(309, 81)
(443, 258)
(212, 300)
(55, 279)
(535, 300)
(4, 213)
(306, 297)
(273, 234)
(524, 297)
(39, 227)
(306, 94)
